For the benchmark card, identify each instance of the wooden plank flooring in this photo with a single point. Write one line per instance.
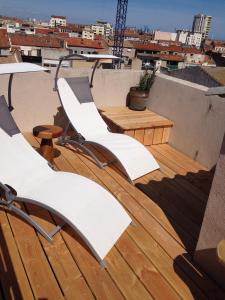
(150, 261)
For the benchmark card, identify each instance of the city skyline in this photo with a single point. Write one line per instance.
(161, 14)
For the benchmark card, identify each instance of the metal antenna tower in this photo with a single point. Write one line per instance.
(121, 16)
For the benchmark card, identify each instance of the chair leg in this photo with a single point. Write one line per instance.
(62, 142)
(26, 217)
(44, 233)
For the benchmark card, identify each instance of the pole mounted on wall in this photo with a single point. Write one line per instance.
(121, 16)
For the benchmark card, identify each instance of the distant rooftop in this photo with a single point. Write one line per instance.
(58, 17)
(34, 40)
(79, 42)
(217, 74)
(160, 47)
(4, 39)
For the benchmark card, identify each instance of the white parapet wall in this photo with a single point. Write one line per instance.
(199, 120)
(35, 102)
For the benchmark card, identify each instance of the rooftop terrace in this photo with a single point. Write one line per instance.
(150, 261)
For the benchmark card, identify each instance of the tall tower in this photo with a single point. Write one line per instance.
(202, 24)
(121, 16)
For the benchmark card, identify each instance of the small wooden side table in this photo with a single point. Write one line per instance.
(221, 252)
(47, 133)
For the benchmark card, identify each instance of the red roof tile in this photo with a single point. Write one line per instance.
(172, 48)
(157, 47)
(166, 57)
(177, 58)
(12, 19)
(46, 30)
(73, 27)
(219, 43)
(58, 17)
(4, 39)
(35, 40)
(209, 60)
(85, 43)
(191, 50)
(54, 32)
(131, 33)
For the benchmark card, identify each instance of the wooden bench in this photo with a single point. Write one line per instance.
(146, 126)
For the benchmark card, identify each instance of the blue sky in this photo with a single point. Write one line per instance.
(165, 15)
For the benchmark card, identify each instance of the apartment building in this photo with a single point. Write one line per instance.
(74, 30)
(202, 23)
(102, 28)
(84, 46)
(174, 54)
(128, 49)
(30, 46)
(194, 39)
(219, 46)
(131, 35)
(57, 21)
(182, 35)
(87, 33)
(98, 29)
(189, 38)
(50, 58)
(165, 36)
(108, 29)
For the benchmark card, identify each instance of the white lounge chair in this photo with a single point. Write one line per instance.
(79, 106)
(87, 207)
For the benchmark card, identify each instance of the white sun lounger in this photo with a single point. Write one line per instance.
(83, 204)
(77, 101)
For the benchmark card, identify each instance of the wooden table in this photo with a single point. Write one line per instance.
(146, 126)
(47, 133)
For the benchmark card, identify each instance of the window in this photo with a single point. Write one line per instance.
(81, 52)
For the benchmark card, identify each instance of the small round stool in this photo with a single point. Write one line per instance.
(47, 133)
(221, 252)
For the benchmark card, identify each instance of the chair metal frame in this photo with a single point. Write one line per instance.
(78, 140)
(7, 200)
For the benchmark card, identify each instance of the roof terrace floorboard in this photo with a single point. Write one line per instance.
(150, 261)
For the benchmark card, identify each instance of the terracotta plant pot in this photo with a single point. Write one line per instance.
(137, 99)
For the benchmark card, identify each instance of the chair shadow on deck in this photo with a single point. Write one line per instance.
(60, 118)
(183, 206)
(9, 288)
(183, 199)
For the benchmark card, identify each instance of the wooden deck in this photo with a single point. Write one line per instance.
(150, 261)
(146, 126)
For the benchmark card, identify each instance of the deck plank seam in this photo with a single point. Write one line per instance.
(200, 288)
(97, 180)
(160, 244)
(182, 168)
(62, 237)
(19, 253)
(131, 195)
(142, 226)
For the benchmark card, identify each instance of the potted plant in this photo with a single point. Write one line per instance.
(138, 95)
